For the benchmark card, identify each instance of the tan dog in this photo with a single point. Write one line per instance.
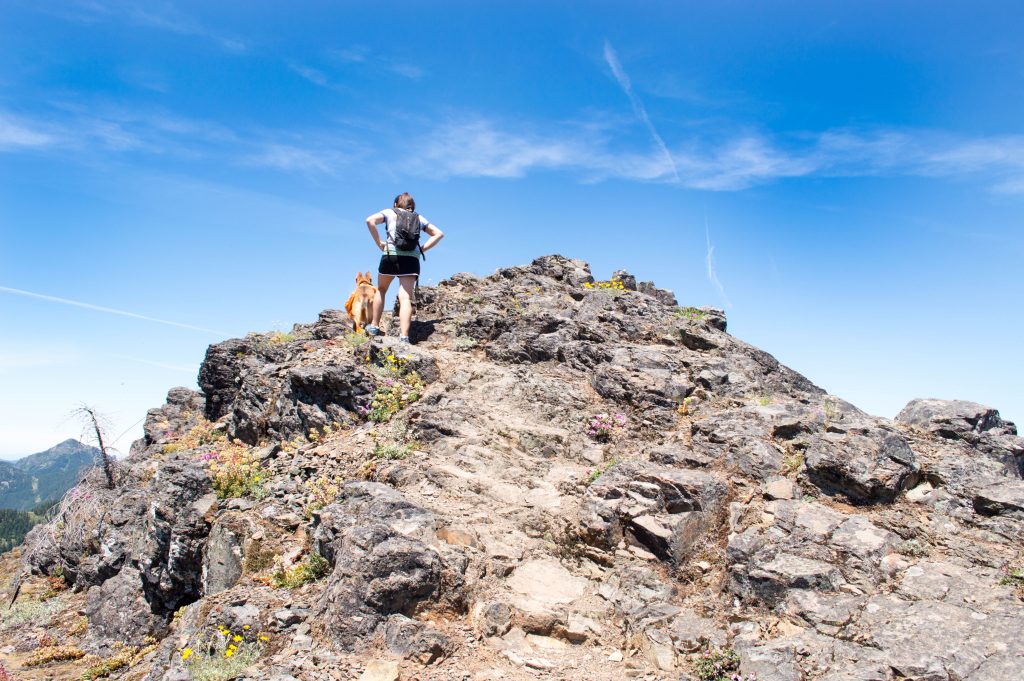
(360, 304)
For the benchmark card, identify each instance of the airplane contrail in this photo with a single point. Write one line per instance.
(712, 275)
(108, 310)
(638, 107)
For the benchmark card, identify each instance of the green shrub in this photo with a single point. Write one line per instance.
(393, 441)
(830, 411)
(613, 286)
(313, 567)
(464, 343)
(690, 313)
(24, 612)
(280, 337)
(722, 664)
(223, 655)
(354, 340)
(322, 492)
(792, 462)
(392, 395)
(599, 471)
(392, 451)
(203, 433)
(1013, 575)
(235, 472)
(124, 658)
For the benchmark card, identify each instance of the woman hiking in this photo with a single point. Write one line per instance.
(401, 257)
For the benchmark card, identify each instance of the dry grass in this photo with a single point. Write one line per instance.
(54, 654)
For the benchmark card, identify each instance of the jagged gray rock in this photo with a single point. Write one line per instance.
(663, 509)
(384, 563)
(738, 505)
(974, 424)
(867, 468)
(264, 390)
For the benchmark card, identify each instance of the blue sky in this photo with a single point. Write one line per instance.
(846, 179)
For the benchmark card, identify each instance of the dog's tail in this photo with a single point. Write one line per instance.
(349, 303)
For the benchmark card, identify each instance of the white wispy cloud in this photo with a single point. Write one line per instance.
(710, 262)
(106, 310)
(482, 147)
(478, 148)
(157, 15)
(302, 159)
(115, 130)
(638, 107)
(315, 76)
(15, 134)
(740, 163)
(374, 60)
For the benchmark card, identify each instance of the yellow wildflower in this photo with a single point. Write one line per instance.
(237, 638)
(228, 652)
(264, 638)
(185, 654)
(246, 626)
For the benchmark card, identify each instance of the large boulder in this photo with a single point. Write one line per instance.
(222, 560)
(1002, 498)
(173, 538)
(973, 424)
(119, 612)
(664, 510)
(265, 388)
(955, 419)
(868, 468)
(386, 562)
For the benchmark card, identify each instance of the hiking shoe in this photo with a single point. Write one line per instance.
(404, 340)
(372, 330)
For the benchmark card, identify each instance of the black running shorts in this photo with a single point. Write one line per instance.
(399, 265)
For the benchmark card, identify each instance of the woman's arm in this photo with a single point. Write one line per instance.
(371, 224)
(435, 236)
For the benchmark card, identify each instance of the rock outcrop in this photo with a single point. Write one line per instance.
(558, 478)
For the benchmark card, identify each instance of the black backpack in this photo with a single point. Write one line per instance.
(407, 230)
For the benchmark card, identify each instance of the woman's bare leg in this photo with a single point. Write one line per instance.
(405, 303)
(383, 282)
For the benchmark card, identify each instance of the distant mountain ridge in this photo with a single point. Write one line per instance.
(44, 476)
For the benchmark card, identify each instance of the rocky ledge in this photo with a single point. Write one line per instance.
(561, 478)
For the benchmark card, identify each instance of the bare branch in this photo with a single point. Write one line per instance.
(97, 424)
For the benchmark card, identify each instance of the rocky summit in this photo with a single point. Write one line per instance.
(560, 478)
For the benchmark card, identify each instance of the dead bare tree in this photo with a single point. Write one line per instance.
(95, 423)
(76, 520)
